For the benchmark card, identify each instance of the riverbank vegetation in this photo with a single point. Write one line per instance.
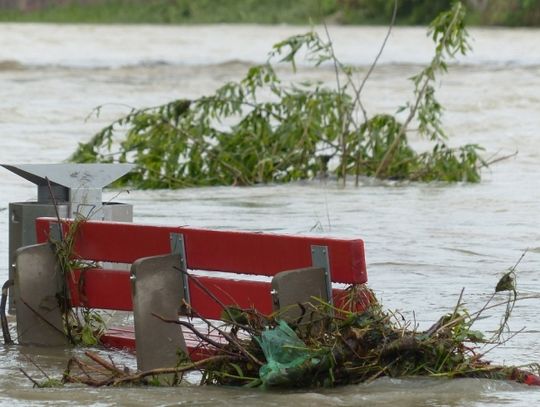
(482, 12)
(261, 130)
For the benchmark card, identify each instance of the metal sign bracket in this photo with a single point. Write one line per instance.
(319, 258)
(178, 247)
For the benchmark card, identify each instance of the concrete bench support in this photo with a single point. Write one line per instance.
(294, 287)
(157, 289)
(39, 286)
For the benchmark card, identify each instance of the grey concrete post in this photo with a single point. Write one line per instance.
(293, 287)
(157, 289)
(38, 283)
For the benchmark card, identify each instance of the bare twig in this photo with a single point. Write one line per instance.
(41, 316)
(65, 290)
(481, 355)
(28, 358)
(358, 92)
(3, 317)
(55, 204)
(212, 296)
(458, 304)
(229, 338)
(107, 365)
(180, 369)
(345, 123)
(36, 384)
(134, 378)
(477, 313)
(389, 155)
(494, 159)
(197, 333)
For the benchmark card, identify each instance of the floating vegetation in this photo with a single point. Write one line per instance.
(261, 130)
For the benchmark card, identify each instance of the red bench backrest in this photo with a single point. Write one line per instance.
(213, 250)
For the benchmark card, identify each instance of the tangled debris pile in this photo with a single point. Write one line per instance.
(328, 347)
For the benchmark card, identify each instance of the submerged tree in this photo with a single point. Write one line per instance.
(260, 130)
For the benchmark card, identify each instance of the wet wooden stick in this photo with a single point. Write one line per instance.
(197, 333)
(5, 326)
(102, 362)
(36, 384)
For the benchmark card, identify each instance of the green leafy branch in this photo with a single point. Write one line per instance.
(261, 130)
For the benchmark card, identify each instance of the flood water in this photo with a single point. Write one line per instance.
(424, 242)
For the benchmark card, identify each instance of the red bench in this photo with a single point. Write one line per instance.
(156, 284)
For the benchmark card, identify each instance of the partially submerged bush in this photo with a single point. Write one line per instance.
(259, 130)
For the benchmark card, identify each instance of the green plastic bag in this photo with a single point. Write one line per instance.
(287, 357)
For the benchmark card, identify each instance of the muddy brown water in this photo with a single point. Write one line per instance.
(423, 242)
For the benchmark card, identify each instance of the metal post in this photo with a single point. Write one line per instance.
(66, 190)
